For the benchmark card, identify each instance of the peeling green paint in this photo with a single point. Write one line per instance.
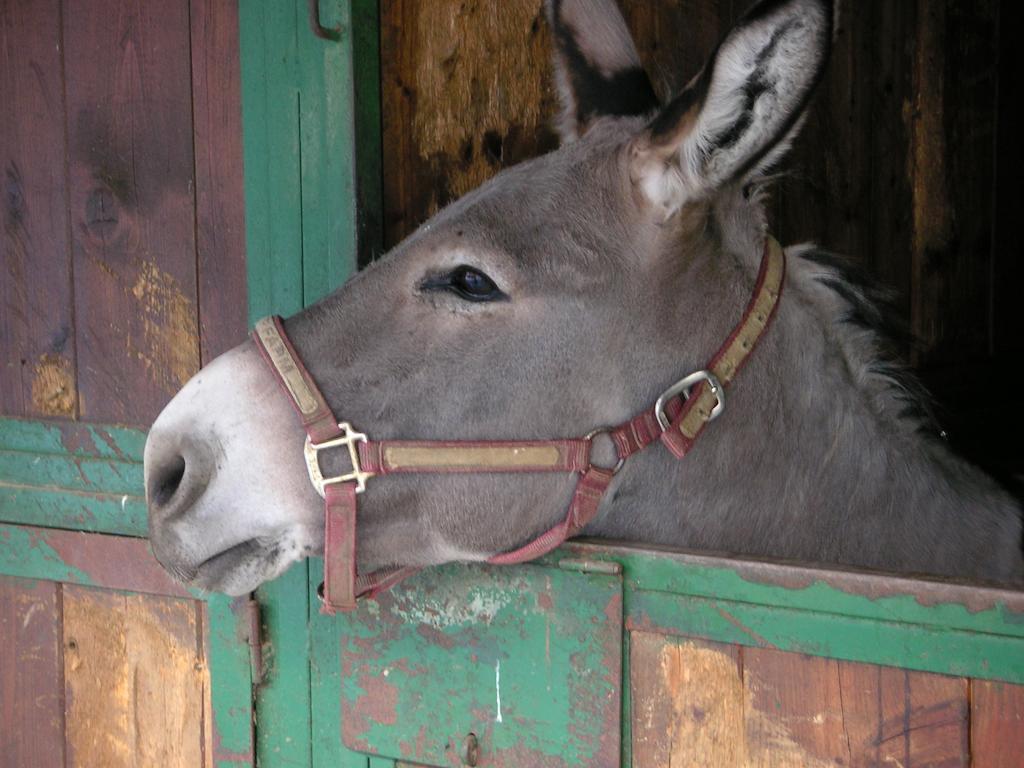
(72, 472)
(923, 647)
(298, 126)
(121, 514)
(72, 438)
(657, 573)
(527, 658)
(25, 554)
(230, 681)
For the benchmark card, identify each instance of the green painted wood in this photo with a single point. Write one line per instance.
(121, 514)
(72, 475)
(231, 695)
(97, 441)
(326, 634)
(527, 658)
(926, 648)
(845, 593)
(71, 472)
(269, 49)
(297, 107)
(91, 559)
(627, 700)
(327, 141)
(270, 130)
(24, 555)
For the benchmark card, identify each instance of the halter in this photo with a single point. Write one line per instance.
(677, 419)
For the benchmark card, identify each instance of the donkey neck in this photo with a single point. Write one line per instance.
(812, 459)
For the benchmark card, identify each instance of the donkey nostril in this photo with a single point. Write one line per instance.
(166, 482)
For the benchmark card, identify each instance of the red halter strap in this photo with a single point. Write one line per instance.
(677, 419)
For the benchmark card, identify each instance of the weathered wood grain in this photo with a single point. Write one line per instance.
(674, 39)
(465, 92)
(37, 345)
(845, 184)
(795, 715)
(31, 683)
(687, 703)
(953, 152)
(997, 724)
(134, 679)
(896, 717)
(842, 713)
(707, 704)
(132, 202)
(220, 195)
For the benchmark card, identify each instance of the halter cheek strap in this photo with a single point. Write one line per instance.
(677, 419)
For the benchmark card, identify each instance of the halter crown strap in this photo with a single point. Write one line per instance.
(676, 422)
(698, 410)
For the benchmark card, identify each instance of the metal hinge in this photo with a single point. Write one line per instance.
(585, 565)
(255, 641)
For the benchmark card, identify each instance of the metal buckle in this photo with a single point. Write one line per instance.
(349, 438)
(683, 387)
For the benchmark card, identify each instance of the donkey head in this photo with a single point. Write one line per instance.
(562, 295)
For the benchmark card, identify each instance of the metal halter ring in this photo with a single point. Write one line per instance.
(684, 387)
(606, 431)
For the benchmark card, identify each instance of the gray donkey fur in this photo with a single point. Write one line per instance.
(619, 263)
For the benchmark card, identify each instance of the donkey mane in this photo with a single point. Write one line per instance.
(868, 328)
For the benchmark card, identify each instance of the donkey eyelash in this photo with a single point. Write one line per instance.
(467, 283)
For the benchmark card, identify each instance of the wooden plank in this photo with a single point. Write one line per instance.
(953, 175)
(368, 138)
(68, 472)
(327, 156)
(132, 205)
(675, 39)
(687, 703)
(715, 705)
(220, 198)
(118, 513)
(94, 441)
(819, 633)
(114, 562)
(897, 717)
(997, 724)
(37, 337)
(807, 711)
(273, 193)
(465, 92)
(273, 218)
(134, 678)
(794, 716)
(845, 185)
(835, 591)
(227, 630)
(31, 677)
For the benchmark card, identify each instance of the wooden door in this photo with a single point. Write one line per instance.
(122, 216)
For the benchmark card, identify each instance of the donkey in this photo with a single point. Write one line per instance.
(566, 293)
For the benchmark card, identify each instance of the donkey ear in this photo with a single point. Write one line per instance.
(741, 111)
(597, 69)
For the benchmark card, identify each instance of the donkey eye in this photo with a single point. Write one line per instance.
(473, 284)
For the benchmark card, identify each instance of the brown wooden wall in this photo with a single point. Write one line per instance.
(123, 233)
(908, 161)
(697, 703)
(93, 677)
